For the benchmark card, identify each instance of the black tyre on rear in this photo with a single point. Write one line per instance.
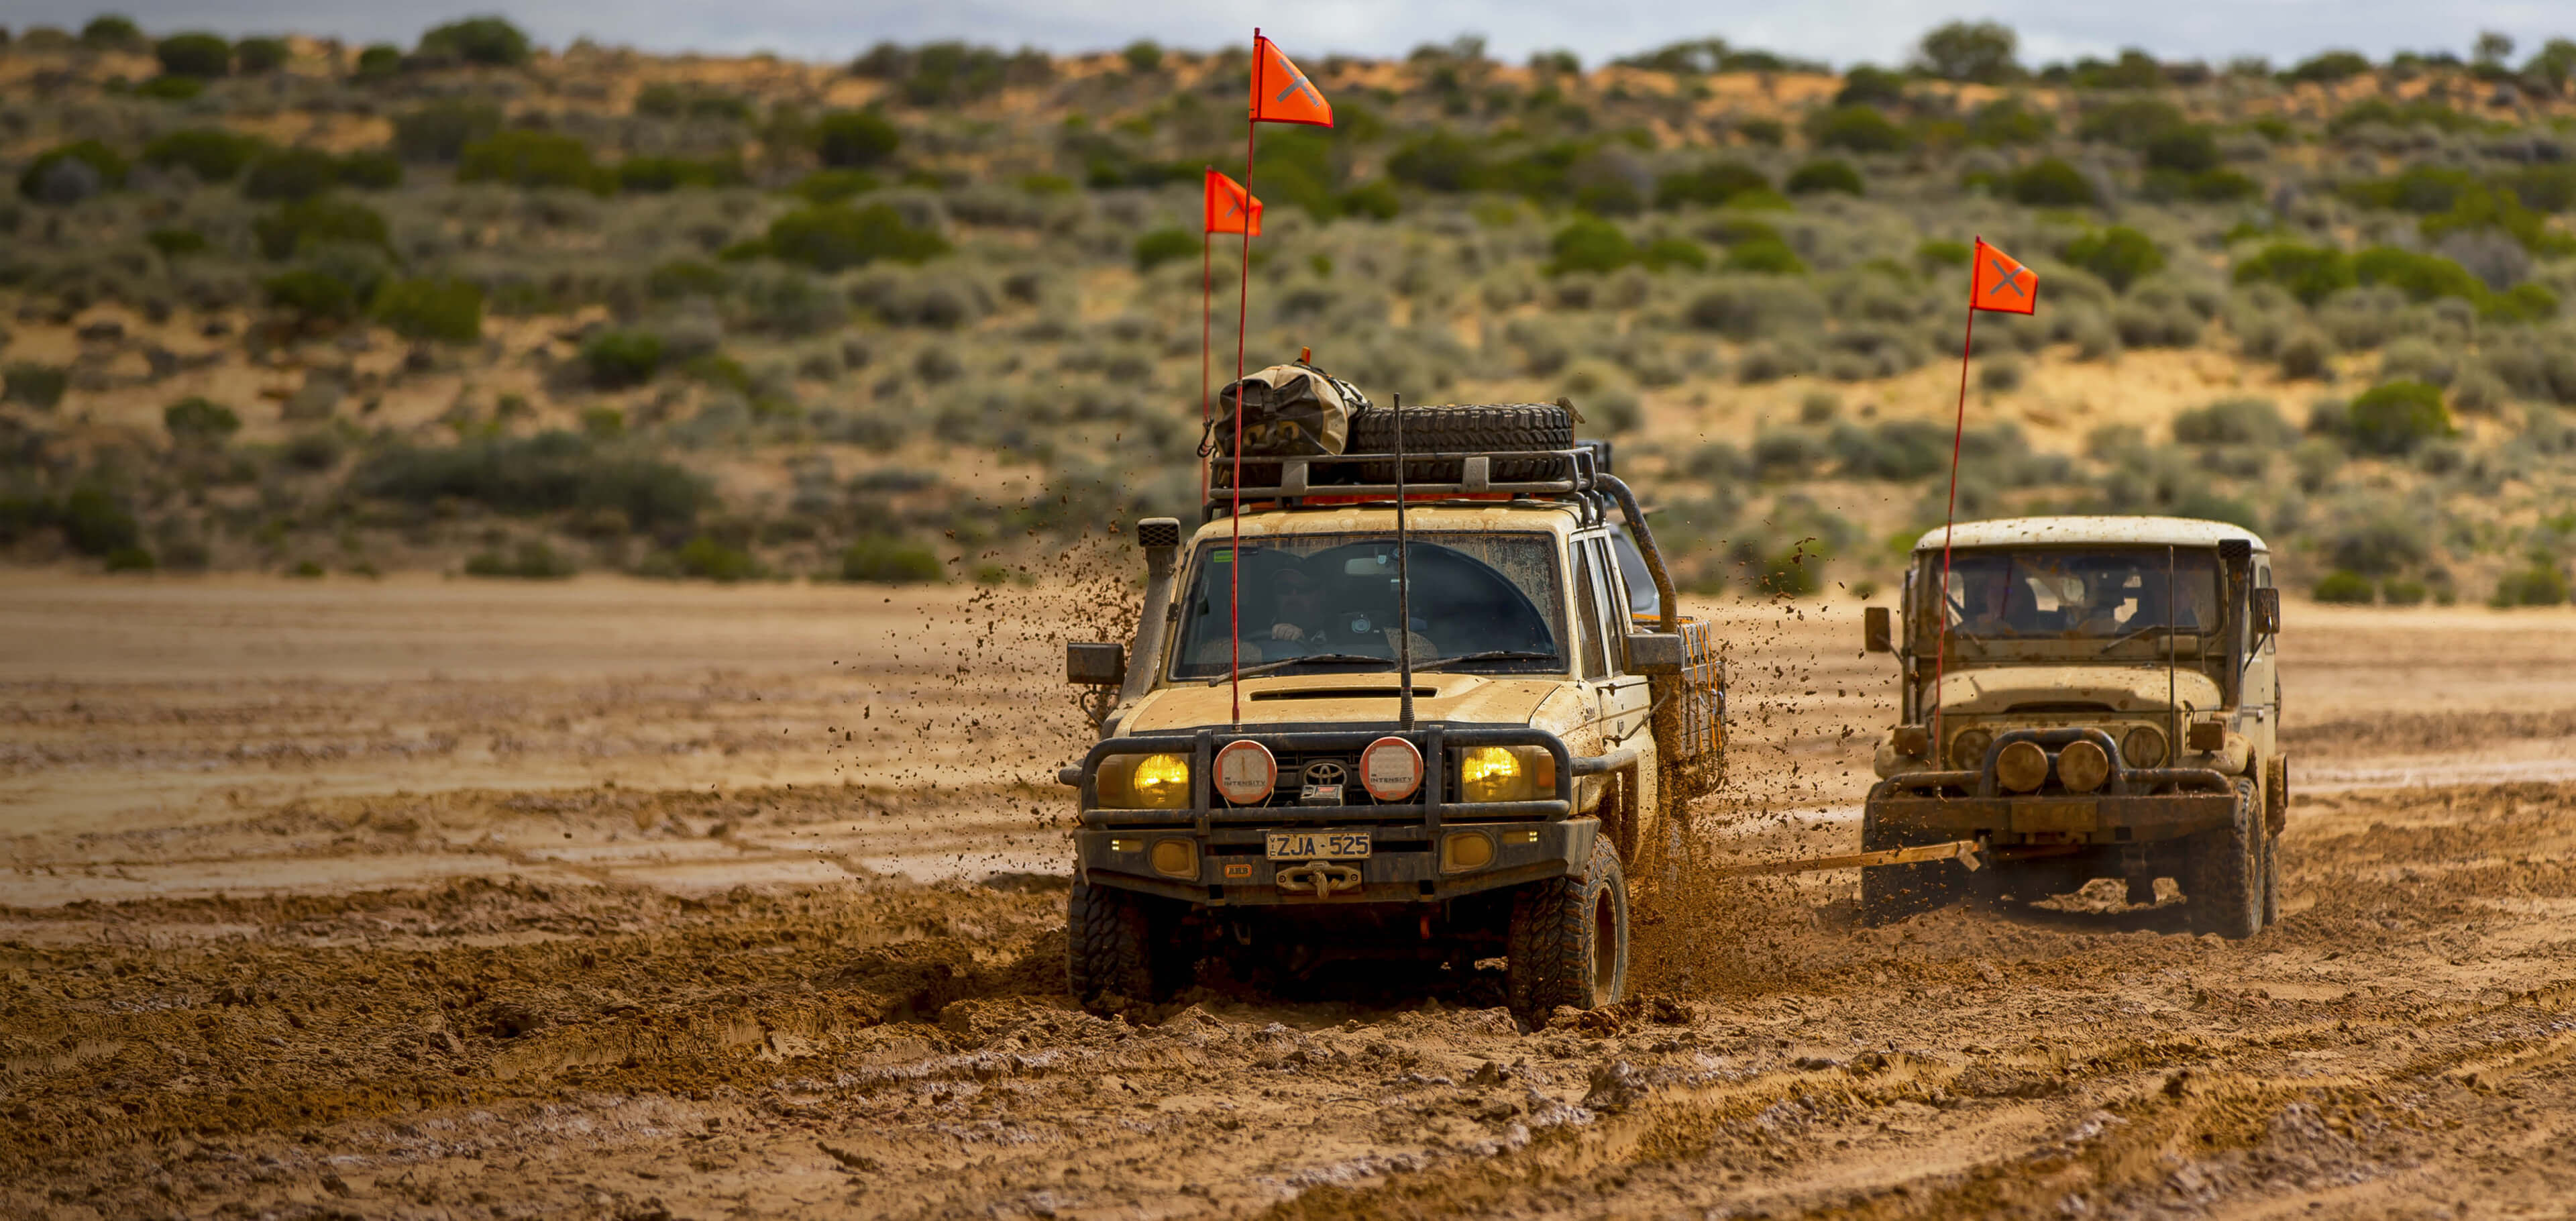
(2225, 865)
(1476, 428)
(1117, 947)
(1889, 893)
(1569, 940)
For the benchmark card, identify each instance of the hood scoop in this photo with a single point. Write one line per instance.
(1346, 693)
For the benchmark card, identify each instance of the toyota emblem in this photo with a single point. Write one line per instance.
(1327, 772)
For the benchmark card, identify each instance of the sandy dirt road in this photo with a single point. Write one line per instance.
(455, 899)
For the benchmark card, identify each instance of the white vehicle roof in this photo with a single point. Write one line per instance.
(2077, 531)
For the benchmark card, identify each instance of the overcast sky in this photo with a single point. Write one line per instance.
(1840, 31)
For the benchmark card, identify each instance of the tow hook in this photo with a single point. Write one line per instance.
(1318, 878)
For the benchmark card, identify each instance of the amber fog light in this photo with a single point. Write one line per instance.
(2022, 766)
(2083, 766)
(1968, 750)
(1177, 858)
(2143, 747)
(1465, 850)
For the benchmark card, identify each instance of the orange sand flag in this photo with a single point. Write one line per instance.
(1281, 93)
(1230, 207)
(2002, 283)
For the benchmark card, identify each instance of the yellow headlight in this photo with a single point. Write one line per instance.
(1492, 773)
(2022, 766)
(2143, 746)
(1144, 782)
(1465, 850)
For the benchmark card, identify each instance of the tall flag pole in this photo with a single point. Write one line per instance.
(1280, 94)
(1225, 207)
(1998, 282)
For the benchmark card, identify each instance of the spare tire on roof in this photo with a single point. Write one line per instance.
(1465, 428)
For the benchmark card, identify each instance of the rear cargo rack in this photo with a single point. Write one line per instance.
(1336, 478)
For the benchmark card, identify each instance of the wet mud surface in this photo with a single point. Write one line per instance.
(794, 979)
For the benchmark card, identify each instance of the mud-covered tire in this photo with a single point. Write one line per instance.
(1569, 940)
(2225, 866)
(1112, 948)
(2276, 815)
(1889, 893)
(1482, 428)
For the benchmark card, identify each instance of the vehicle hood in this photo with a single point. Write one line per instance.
(2123, 688)
(1364, 699)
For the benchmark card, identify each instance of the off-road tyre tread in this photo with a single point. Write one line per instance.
(1549, 948)
(1890, 893)
(1109, 946)
(2224, 889)
(1477, 428)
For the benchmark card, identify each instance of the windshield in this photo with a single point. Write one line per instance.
(1313, 595)
(2074, 595)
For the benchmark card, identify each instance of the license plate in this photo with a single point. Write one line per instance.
(1318, 845)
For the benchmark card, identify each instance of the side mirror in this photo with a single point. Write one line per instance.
(1095, 665)
(1656, 653)
(2267, 612)
(1877, 631)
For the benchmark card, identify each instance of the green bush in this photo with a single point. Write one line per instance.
(441, 130)
(2234, 422)
(96, 521)
(2130, 123)
(2006, 122)
(2120, 256)
(551, 472)
(2310, 273)
(672, 173)
(199, 420)
(169, 88)
(530, 560)
(2328, 68)
(1665, 253)
(855, 139)
(130, 559)
(1710, 185)
(107, 162)
(1161, 246)
(2422, 277)
(890, 561)
(176, 243)
(2221, 186)
(618, 359)
(2401, 591)
(833, 186)
(687, 278)
(836, 238)
(1862, 129)
(2049, 183)
(533, 159)
(38, 386)
(491, 41)
(1375, 199)
(377, 170)
(194, 54)
(302, 224)
(447, 310)
(259, 56)
(378, 61)
(1591, 244)
(2395, 417)
(706, 558)
(313, 295)
(211, 153)
(1766, 255)
(2344, 587)
(1825, 174)
(113, 32)
(291, 173)
(2189, 149)
(2541, 584)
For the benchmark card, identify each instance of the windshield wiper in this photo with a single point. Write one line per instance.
(1272, 667)
(1487, 655)
(2193, 632)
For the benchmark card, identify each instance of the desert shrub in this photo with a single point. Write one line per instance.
(1824, 175)
(1375, 199)
(1999, 374)
(291, 173)
(2376, 545)
(2130, 122)
(490, 41)
(2344, 588)
(194, 54)
(2395, 417)
(532, 159)
(176, 243)
(2007, 121)
(1898, 450)
(550, 472)
(681, 278)
(1767, 256)
(2144, 323)
(2533, 365)
(530, 560)
(316, 450)
(2050, 183)
(2422, 277)
(2244, 421)
(1860, 128)
(709, 559)
(169, 88)
(258, 56)
(2120, 256)
(378, 61)
(2475, 389)
(2540, 584)
(1161, 246)
(98, 522)
(37, 385)
(441, 130)
(2304, 354)
(835, 238)
(199, 420)
(306, 223)
(69, 173)
(1710, 185)
(654, 174)
(2188, 149)
(1785, 454)
(882, 560)
(113, 32)
(2403, 591)
(441, 309)
(210, 153)
(855, 139)
(1589, 244)
(2359, 319)
(833, 186)
(618, 359)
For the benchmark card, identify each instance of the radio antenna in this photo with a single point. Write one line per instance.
(1403, 587)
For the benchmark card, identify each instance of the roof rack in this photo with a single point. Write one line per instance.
(1570, 473)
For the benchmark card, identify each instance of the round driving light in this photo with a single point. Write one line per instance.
(2083, 766)
(1246, 772)
(1968, 750)
(1160, 782)
(1390, 769)
(1464, 850)
(1489, 773)
(2022, 766)
(2143, 747)
(1176, 857)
